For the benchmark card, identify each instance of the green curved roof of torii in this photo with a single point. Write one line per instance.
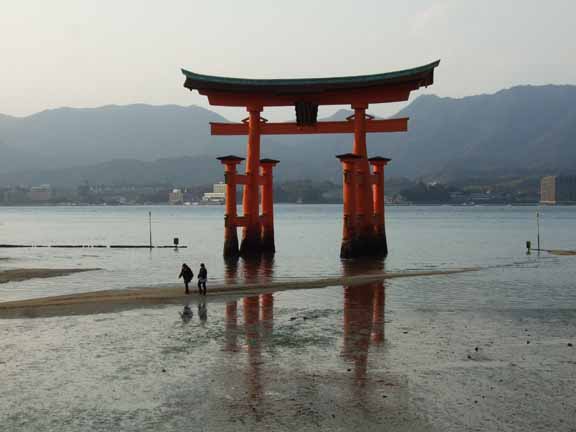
(196, 81)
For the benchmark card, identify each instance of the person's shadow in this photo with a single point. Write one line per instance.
(202, 312)
(186, 314)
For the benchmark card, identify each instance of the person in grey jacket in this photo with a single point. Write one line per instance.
(202, 277)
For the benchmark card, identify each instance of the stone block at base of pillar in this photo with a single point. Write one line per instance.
(251, 243)
(350, 248)
(367, 245)
(231, 243)
(380, 243)
(267, 243)
(364, 246)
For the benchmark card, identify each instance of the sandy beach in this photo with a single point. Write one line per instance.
(113, 300)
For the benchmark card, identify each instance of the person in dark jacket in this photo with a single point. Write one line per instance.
(202, 277)
(187, 274)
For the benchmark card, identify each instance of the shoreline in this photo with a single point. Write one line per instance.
(130, 298)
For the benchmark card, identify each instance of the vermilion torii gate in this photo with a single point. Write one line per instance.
(364, 232)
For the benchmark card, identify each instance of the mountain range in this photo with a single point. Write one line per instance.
(522, 131)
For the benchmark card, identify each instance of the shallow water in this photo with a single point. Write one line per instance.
(486, 350)
(307, 240)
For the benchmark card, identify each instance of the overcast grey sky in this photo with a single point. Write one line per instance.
(84, 53)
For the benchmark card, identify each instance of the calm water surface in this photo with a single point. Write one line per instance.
(307, 240)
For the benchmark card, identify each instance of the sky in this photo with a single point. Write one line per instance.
(81, 53)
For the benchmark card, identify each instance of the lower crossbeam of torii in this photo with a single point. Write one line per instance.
(364, 232)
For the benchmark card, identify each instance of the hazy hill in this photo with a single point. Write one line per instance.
(69, 136)
(523, 130)
(520, 131)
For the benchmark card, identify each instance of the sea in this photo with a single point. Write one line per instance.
(490, 349)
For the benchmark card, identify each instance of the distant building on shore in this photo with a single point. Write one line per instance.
(176, 196)
(558, 190)
(217, 196)
(41, 193)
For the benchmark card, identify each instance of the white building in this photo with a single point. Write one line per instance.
(217, 196)
(176, 197)
(40, 193)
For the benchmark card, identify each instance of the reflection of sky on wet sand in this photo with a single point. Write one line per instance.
(323, 359)
(361, 324)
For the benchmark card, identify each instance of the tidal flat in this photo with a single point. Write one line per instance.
(268, 362)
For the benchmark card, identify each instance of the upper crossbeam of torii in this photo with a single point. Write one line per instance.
(364, 232)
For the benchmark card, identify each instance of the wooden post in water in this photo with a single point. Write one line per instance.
(538, 229)
(150, 227)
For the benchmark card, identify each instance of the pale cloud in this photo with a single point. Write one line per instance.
(429, 16)
(87, 53)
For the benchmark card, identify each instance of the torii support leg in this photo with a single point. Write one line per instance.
(251, 244)
(380, 247)
(364, 186)
(267, 218)
(349, 248)
(231, 217)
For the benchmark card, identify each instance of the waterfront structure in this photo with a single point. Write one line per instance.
(176, 196)
(364, 231)
(217, 196)
(558, 190)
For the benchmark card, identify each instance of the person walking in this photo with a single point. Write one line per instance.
(202, 277)
(186, 274)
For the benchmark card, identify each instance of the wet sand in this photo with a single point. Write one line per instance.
(130, 298)
(19, 275)
(561, 252)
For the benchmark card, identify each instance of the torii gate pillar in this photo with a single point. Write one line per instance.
(380, 246)
(231, 216)
(251, 237)
(267, 219)
(349, 246)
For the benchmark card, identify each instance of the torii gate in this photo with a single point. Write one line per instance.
(364, 233)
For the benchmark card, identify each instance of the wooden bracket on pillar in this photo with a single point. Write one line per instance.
(242, 179)
(241, 221)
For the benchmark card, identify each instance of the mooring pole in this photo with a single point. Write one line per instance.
(150, 227)
(538, 229)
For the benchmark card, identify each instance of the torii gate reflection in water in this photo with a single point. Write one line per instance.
(364, 232)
